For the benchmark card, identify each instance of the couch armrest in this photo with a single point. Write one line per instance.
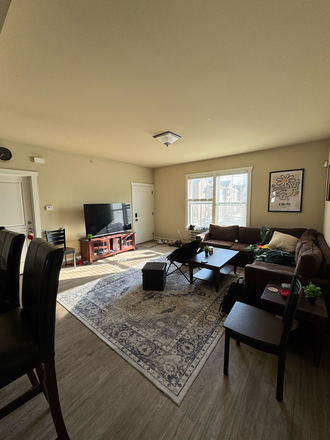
(204, 235)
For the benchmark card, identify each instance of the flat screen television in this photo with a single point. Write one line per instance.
(107, 218)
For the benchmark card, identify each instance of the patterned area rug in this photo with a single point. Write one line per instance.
(167, 335)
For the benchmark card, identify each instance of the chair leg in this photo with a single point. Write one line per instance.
(54, 403)
(226, 357)
(280, 377)
(33, 379)
(168, 269)
(41, 377)
(21, 400)
(182, 273)
(177, 268)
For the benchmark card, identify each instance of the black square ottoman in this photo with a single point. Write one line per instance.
(154, 276)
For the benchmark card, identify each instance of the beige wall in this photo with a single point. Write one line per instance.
(326, 225)
(67, 181)
(170, 187)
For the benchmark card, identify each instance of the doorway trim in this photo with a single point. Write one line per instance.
(32, 175)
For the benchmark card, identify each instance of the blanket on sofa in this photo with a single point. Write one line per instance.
(266, 235)
(269, 255)
(275, 256)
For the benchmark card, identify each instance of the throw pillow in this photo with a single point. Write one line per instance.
(284, 242)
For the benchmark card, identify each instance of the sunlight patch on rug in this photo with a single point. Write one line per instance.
(167, 335)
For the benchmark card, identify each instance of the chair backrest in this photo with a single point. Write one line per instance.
(289, 297)
(182, 254)
(290, 308)
(40, 282)
(11, 245)
(56, 237)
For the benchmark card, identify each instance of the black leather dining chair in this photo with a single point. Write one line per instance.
(263, 331)
(11, 245)
(57, 237)
(27, 333)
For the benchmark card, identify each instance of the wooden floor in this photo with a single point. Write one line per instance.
(103, 397)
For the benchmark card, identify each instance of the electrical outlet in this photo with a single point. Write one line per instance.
(178, 231)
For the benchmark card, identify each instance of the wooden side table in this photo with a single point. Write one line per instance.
(316, 313)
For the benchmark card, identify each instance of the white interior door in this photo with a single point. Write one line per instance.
(143, 212)
(16, 212)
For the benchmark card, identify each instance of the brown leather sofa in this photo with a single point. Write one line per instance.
(237, 238)
(312, 258)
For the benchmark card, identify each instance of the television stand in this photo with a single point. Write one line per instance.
(106, 246)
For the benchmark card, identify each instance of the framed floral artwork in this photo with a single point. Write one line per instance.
(285, 191)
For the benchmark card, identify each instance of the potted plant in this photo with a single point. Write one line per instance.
(89, 236)
(206, 249)
(312, 292)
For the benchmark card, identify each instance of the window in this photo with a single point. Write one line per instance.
(200, 201)
(221, 197)
(231, 199)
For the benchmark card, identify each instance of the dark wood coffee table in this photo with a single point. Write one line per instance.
(316, 313)
(214, 265)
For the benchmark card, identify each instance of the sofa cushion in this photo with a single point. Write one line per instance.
(298, 248)
(271, 269)
(309, 259)
(241, 248)
(249, 235)
(217, 243)
(227, 233)
(310, 234)
(324, 271)
(296, 232)
(284, 242)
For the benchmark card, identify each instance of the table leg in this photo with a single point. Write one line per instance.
(191, 272)
(216, 279)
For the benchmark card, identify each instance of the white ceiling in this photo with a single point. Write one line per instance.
(102, 77)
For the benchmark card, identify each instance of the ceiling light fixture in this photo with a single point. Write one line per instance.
(167, 138)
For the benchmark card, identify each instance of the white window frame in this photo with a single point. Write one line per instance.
(215, 174)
